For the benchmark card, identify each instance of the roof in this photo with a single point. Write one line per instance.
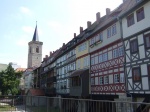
(20, 69)
(36, 92)
(35, 36)
(78, 72)
(3, 67)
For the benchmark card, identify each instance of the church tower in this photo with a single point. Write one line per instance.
(35, 50)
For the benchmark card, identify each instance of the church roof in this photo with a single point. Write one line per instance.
(35, 36)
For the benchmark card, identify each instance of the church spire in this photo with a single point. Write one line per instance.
(35, 36)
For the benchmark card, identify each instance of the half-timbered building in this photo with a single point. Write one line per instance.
(65, 66)
(107, 56)
(136, 37)
(48, 74)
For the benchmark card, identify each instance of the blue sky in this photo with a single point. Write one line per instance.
(57, 20)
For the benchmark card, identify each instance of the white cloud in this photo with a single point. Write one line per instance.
(25, 10)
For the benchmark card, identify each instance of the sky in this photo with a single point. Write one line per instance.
(57, 21)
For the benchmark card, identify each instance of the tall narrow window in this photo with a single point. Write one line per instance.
(109, 32)
(134, 46)
(101, 36)
(136, 74)
(140, 14)
(130, 20)
(116, 78)
(106, 80)
(114, 30)
(147, 41)
(101, 80)
(37, 49)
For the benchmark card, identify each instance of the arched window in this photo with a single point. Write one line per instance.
(37, 49)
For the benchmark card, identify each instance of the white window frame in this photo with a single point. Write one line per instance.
(101, 80)
(109, 32)
(106, 79)
(122, 80)
(116, 78)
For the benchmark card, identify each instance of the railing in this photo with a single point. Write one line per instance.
(57, 104)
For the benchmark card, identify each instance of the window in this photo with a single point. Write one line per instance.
(92, 61)
(78, 64)
(92, 81)
(130, 20)
(76, 81)
(120, 51)
(101, 80)
(134, 46)
(85, 61)
(106, 80)
(147, 41)
(82, 47)
(115, 53)
(109, 32)
(114, 30)
(100, 58)
(122, 78)
(140, 14)
(37, 49)
(136, 74)
(101, 36)
(103, 57)
(97, 38)
(116, 78)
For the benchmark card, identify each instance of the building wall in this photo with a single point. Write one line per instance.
(34, 58)
(141, 58)
(80, 51)
(105, 39)
(28, 81)
(138, 26)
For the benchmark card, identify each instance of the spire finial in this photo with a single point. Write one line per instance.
(36, 22)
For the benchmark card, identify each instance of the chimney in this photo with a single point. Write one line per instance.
(50, 53)
(88, 24)
(107, 11)
(46, 56)
(81, 30)
(74, 35)
(63, 44)
(98, 16)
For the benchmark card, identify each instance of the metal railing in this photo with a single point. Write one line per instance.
(57, 104)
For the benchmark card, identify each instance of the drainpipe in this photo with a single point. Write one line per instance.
(124, 65)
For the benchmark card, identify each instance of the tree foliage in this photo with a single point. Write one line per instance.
(9, 81)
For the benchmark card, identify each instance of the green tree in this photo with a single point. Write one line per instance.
(9, 81)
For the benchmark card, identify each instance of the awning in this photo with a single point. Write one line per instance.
(78, 72)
